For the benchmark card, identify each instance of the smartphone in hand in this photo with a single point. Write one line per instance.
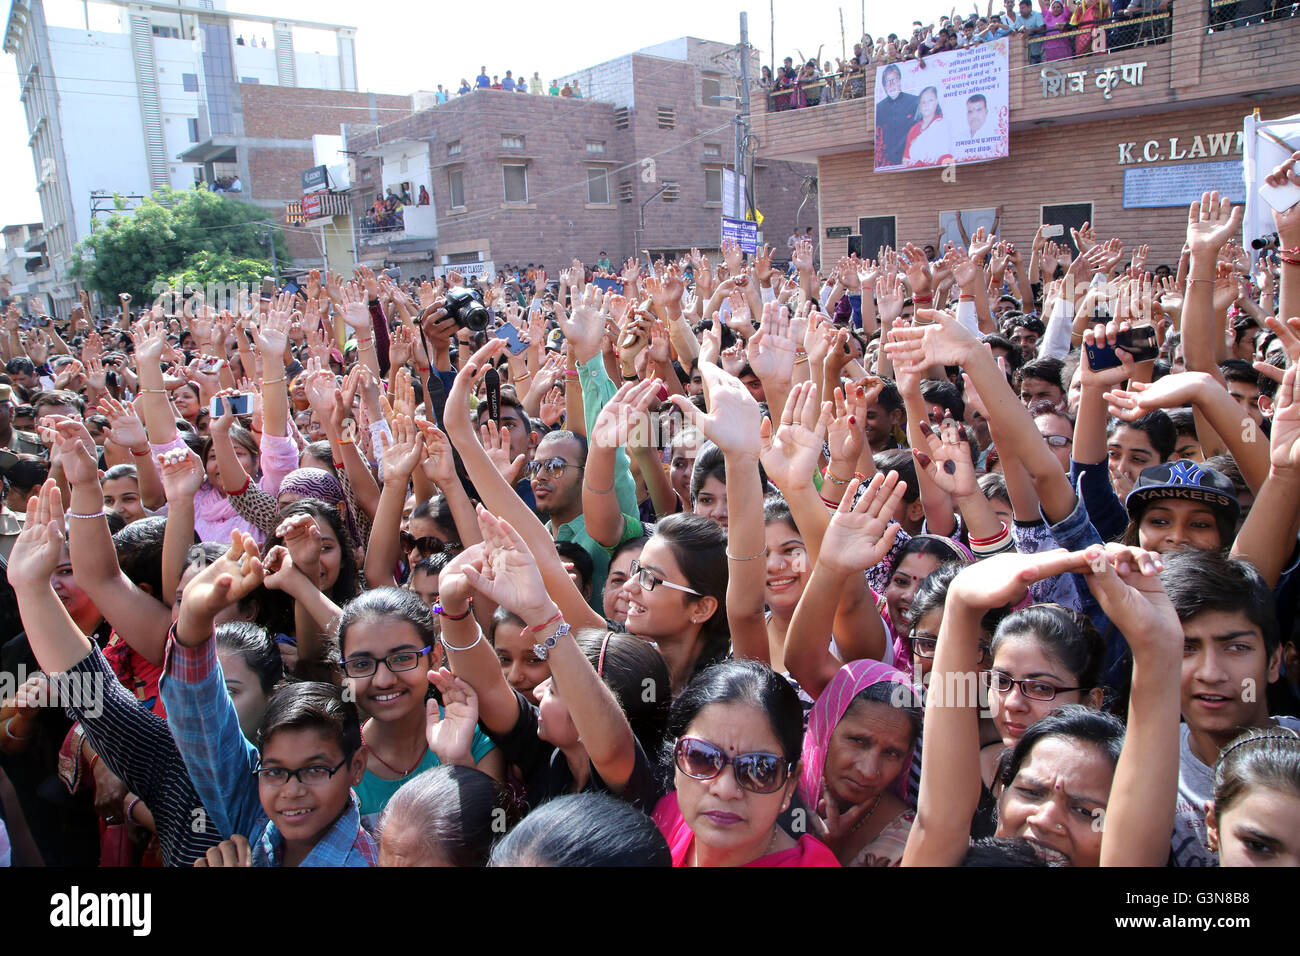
(241, 404)
(1139, 342)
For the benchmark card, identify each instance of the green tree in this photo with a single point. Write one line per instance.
(164, 236)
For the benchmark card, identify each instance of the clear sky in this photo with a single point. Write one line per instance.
(403, 47)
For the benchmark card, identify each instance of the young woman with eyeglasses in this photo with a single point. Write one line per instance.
(387, 648)
(603, 704)
(1076, 766)
(677, 587)
(734, 741)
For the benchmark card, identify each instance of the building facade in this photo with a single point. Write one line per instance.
(635, 164)
(115, 97)
(1116, 157)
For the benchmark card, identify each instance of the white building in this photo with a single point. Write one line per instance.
(115, 92)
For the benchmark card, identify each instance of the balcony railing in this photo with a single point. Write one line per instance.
(1228, 14)
(1099, 37)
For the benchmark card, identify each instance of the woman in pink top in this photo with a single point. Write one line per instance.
(737, 731)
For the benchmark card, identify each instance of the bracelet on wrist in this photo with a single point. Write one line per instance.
(140, 454)
(90, 515)
(468, 647)
(439, 609)
(558, 615)
(542, 649)
(757, 554)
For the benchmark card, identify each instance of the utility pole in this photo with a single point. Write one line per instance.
(742, 118)
(269, 238)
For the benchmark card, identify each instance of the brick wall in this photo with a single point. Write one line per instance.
(1058, 164)
(283, 112)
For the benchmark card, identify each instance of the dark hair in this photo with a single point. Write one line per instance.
(1043, 407)
(312, 705)
(240, 436)
(893, 69)
(576, 554)
(1047, 369)
(348, 583)
(1199, 582)
(1015, 357)
(1071, 722)
(453, 810)
(777, 510)
(977, 96)
(255, 648)
(945, 394)
(932, 593)
(561, 434)
(1239, 370)
(1065, 635)
(745, 682)
(118, 472)
(386, 602)
(700, 549)
(889, 399)
(708, 464)
(438, 511)
(933, 545)
(584, 829)
(1259, 757)
(637, 676)
(139, 548)
(56, 396)
(1227, 466)
(433, 564)
(1157, 426)
(1004, 851)
(901, 461)
(1184, 420)
(628, 545)
(321, 453)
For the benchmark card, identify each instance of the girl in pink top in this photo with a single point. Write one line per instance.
(737, 732)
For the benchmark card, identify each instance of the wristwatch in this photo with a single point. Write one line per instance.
(543, 650)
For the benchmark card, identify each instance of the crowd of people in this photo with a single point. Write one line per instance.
(1056, 30)
(568, 89)
(985, 557)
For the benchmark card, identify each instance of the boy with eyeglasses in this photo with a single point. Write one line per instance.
(288, 801)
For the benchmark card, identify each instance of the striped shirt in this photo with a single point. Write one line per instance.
(136, 745)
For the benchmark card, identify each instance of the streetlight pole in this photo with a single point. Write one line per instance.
(742, 118)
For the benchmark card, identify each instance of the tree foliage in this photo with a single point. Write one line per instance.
(167, 235)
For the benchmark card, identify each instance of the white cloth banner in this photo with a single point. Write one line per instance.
(1263, 154)
(951, 108)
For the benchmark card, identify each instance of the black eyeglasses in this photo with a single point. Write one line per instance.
(925, 647)
(307, 776)
(649, 580)
(755, 772)
(396, 662)
(548, 468)
(427, 546)
(1057, 441)
(1033, 689)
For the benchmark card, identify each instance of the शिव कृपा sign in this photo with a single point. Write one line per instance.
(1106, 78)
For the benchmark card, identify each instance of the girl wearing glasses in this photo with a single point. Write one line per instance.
(1077, 786)
(603, 704)
(387, 647)
(735, 735)
(1044, 657)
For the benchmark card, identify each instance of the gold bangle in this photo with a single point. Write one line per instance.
(760, 554)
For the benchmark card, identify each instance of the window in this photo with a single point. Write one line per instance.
(190, 81)
(597, 185)
(667, 117)
(710, 89)
(596, 148)
(670, 190)
(169, 33)
(712, 150)
(456, 186)
(873, 232)
(713, 186)
(194, 129)
(453, 148)
(252, 80)
(509, 141)
(515, 176)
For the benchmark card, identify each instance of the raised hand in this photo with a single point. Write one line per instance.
(36, 552)
(803, 256)
(438, 462)
(734, 418)
(1211, 222)
(450, 730)
(224, 582)
(1004, 579)
(771, 349)
(625, 418)
(272, 335)
(860, 535)
(401, 457)
(496, 442)
(791, 455)
(948, 461)
(889, 297)
(509, 575)
(356, 308)
(182, 474)
(942, 341)
(75, 450)
(124, 426)
(1171, 391)
(552, 408)
(1284, 443)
